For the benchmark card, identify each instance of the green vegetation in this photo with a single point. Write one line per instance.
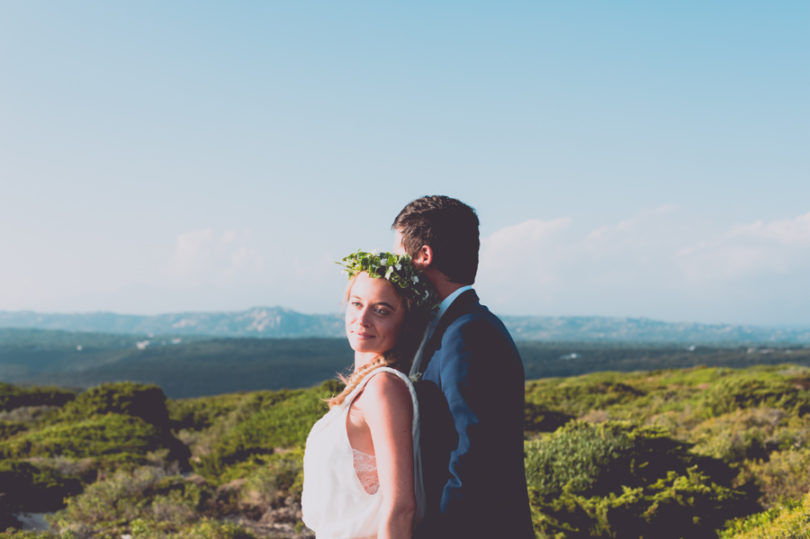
(615, 479)
(192, 366)
(789, 520)
(182, 367)
(12, 397)
(697, 452)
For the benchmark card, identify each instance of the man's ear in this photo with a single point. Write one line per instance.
(424, 258)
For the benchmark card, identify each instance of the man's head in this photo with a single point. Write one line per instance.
(444, 232)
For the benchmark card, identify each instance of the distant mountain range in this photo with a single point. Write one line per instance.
(279, 322)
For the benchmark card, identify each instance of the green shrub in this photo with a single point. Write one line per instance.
(618, 480)
(9, 429)
(282, 425)
(149, 497)
(201, 413)
(12, 397)
(12, 533)
(97, 436)
(749, 433)
(787, 521)
(31, 488)
(204, 412)
(30, 416)
(278, 477)
(538, 418)
(143, 401)
(751, 389)
(575, 396)
(118, 418)
(214, 529)
(783, 477)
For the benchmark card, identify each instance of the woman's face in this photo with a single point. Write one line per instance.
(374, 315)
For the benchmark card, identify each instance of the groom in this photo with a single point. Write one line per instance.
(472, 390)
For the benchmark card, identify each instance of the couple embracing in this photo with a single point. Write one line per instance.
(426, 439)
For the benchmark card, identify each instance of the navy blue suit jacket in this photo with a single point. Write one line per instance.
(472, 409)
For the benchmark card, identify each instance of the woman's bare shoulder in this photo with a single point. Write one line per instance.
(387, 386)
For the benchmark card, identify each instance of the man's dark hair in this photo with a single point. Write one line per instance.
(449, 227)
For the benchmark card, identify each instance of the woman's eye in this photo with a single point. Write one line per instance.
(382, 311)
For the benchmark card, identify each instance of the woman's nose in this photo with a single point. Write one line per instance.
(363, 317)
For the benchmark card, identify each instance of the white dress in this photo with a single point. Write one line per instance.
(336, 503)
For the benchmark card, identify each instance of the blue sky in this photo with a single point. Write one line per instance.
(625, 158)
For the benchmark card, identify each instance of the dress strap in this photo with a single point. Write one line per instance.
(419, 486)
(350, 398)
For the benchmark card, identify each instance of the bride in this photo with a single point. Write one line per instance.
(359, 463)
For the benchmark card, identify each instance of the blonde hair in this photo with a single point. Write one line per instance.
(385, 360)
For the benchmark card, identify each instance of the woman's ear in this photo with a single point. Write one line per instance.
(424, 258)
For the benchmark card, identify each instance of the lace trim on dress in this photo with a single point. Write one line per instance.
(365, 465)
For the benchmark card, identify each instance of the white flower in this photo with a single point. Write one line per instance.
(414, 279)
(398, 266)
(383, 262)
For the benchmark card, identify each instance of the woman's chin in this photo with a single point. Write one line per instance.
(364, 345)
(369, 345)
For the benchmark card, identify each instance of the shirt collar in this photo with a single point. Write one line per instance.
(446, 302)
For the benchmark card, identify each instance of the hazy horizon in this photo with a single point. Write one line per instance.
(339, 313)
(625, 160)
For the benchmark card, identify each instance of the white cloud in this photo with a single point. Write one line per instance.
(787, 231)
(189, 249)
(555, 252)
(205, 256)
(642, 228)
(662, 263)
(758, 248)
(522, 260)
(525, 246)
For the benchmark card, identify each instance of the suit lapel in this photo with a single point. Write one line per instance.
(433, 333)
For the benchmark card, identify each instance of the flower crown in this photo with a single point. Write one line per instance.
(396, 269)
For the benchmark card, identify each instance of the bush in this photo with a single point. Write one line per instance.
(30, 416)
(12, 533)
(783, 477)
(31, 488)
(282, 425)
(788, 521)
(111, 419)
(149, 497)
(201, 413)
(278, 477)
(741, 434)
(143, 401)
(9, 429)
(111, 441)
(538, 418)
(12, 397)
(99, 436)
(575, 396)
(753, 389)
(618, 480)
(214, 529)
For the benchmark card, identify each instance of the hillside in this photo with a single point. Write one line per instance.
(698, 452)
(193, 366)
(279, 322)
(183, 367)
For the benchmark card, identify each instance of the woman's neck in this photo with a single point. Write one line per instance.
(361, 358)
